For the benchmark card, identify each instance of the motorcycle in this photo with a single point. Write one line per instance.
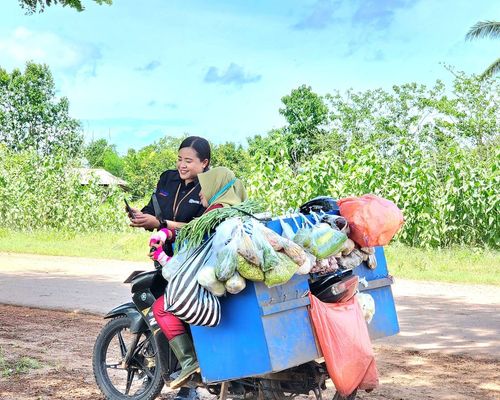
(132, 358)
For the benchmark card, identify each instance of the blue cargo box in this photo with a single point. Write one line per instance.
(265, 330)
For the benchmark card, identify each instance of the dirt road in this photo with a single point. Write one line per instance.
(448, 348)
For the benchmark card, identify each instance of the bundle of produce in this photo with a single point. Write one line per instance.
(294, 251)
(282, 272)
(206, 278)
(193, 233)
(325, 241)
(249, 251)
(348, 247)
(307, 265)
(275, 240)
(227, 260)
(352, 260)
(235, 284)
(269, 256)
(249, 271)
(325, 266)
(372, 261)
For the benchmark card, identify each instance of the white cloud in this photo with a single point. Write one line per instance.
(44, 47)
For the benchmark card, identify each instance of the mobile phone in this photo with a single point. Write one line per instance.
(129, 209)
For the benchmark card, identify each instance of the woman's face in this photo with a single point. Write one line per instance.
(203, 199)
(189, 165)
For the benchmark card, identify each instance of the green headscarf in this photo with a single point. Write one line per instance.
(223, 180)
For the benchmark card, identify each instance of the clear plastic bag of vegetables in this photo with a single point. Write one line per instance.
(249, 271)
(227, 260)
(269, 256)
(249, 251)
(282, 272)
(206, 278)
(325, 241)
(235, 284)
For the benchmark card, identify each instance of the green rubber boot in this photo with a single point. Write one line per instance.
(182, 346)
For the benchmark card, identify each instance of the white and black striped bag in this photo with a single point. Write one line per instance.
(186, 298)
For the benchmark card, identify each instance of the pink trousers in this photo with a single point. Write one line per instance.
(169, 323)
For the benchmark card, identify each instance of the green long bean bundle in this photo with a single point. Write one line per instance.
(191, 235)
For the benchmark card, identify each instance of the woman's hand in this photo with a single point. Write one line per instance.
(159, 255)
(162, 236)
(145, 221)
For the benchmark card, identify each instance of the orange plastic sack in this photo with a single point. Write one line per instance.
(373, 220)
(345, 344)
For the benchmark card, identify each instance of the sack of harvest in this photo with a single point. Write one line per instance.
(249, 271)
(235, 284)
(206, 278)
(282, 272)
(186, 298)
(373, 220)
(249, 251)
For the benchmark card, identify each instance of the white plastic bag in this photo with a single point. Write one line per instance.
(235, 284)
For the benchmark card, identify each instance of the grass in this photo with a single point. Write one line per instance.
(130, 245)
(20, 366)
(459, 265)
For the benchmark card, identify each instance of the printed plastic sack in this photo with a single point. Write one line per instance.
(186, 298)
(206, 278)
(235, 284)
(345, 344)
(250, 271)
(282, 272)
(373, 220)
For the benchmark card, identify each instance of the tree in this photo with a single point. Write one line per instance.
(33, 6)
(305, 113)
(486, 29)
(32, 117)
(100, 154)
(231, 156)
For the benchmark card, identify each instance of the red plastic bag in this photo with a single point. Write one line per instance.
(345, 344)
(373, 220)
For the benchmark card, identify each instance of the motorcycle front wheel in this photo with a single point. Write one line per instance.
(140, 378)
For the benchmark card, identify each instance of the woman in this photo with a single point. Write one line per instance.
(219, 188)
(177, 198)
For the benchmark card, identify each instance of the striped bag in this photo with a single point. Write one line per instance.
(186, 298)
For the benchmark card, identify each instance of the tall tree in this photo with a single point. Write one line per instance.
(33, 6)
(32, 117)
(101, 154)
(489, 29)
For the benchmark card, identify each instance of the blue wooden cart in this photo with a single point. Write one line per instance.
(266, 330)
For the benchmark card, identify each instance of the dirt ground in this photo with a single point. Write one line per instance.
(66, 373)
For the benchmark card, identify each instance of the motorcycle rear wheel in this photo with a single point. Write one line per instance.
(338, 396)
(141, 379)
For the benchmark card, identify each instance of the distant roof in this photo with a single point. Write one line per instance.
(103, 177)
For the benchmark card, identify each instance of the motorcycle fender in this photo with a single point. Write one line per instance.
(130, 310)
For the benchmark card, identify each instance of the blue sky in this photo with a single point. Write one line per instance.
(138, 70)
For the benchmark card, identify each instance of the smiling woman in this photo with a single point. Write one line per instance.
(176, 200)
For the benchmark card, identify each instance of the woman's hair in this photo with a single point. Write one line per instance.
(200, 146)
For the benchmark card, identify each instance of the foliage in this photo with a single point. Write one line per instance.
(486, 29)
(232, 156)
(32, 6)
(20, 366)
(100, 154)
(32, 117)
(39, 192)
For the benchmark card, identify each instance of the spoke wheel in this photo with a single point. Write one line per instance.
(140, 379)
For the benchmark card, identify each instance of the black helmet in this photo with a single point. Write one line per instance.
(321, 203)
